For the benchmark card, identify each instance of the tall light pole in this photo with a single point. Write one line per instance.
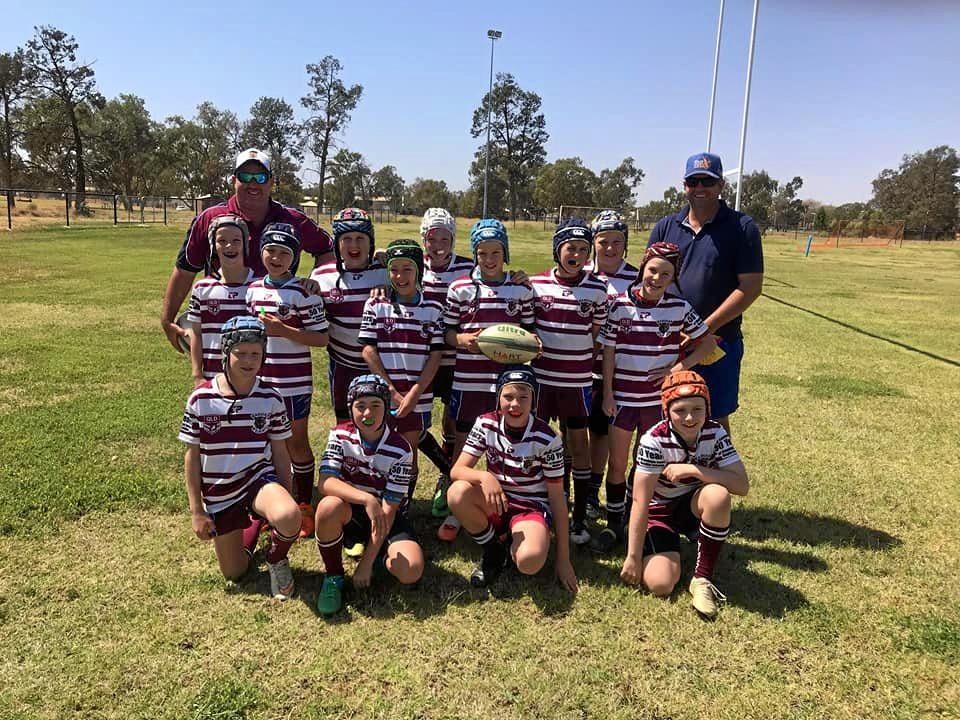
(494, 35)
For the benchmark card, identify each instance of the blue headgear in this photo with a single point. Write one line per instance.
(487, 230)
(285, 235)
(520, 375)
(369, 385)
(610, 220)
(236, 330)
(351, 220)
(571, 229)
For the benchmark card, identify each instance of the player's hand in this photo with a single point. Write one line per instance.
(273, 324)
(632, 572)
(493, 494)
(567, 576)
(519, 277)
(203, 526)
(468, 341)
(659, 373)
(380, 257)
(539, 345)
(363, 574)
(378, 292)
(378, 520)
(407, 404)
(609, 406)
(677, 472)
(310, 286)
(173, 333)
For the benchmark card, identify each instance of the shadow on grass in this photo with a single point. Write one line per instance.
(761, 523)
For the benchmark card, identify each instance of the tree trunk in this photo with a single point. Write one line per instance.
(324, 150)
(8, 154)
(81, 186)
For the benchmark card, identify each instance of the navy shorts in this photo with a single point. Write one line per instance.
(357, 530)
(298, 406)
(723, 379)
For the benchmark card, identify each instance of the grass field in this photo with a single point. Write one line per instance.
(842, 571)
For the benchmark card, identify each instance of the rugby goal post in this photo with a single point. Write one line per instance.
(865, 233)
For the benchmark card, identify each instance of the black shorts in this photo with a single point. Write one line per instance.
(358, 529)
(599, 422)
(443, 383)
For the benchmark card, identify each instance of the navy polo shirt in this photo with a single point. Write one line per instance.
(727, 246)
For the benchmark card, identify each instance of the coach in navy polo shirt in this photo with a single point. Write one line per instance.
(252, 183)
(722, 271)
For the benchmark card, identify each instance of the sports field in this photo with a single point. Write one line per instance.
(842, 571)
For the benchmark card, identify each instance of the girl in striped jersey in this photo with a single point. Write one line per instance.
(236, 429)
(219, 296)
(641, 344)
(295, 322)
(687, 469)
(508, 507)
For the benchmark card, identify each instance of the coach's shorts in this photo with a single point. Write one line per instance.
(632, 418)
(571, 404)
(666, 522)
(339, 377)
(467, 406)
(503, 524)
(411, 422)
(443, 383)
(357, 530)
(298, 406)
(723, 379)
(237, 516)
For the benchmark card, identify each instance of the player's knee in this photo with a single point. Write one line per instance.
(530, 559)
(406, 569)
(286, 517)
(459, 494)
(715, 497)
(660, 586)
(328, 509)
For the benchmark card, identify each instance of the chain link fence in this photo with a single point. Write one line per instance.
(25, 208)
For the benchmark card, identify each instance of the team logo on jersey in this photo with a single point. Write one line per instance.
(358, 276)
(625, 324)
(494, 455)
(663, 328)
(316, 313)
(335, 296)
(260, 423)
(389, 325)
(211, 423)
(585, 308)
(213, 306)
(526, 464)
(283, 310)
(351, 464)
(233, 295)
(546, 302)
(428, 330)
(513, 308)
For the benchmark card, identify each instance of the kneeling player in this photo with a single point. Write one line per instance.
(510, 504)
(364, 476)
(236, 431)
(687, 469)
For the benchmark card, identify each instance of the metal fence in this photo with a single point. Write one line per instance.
(29, 207)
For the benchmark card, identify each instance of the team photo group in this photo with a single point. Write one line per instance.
(592, 375)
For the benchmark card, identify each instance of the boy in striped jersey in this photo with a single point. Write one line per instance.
(641, 345)
(219, 296)
(236, 429)
(508, 507)
(687, 470)
(487, 297)
(295, 322)
(570, 309)
(402, 337)
(345, 286)
(364, 476)
(610, 233)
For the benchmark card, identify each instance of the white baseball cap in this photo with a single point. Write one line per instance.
(260, 156)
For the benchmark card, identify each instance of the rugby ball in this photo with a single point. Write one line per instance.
(183, 340)
(507, 344)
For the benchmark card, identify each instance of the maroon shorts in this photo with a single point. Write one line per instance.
(564, 403)
(443, 383)
(666, 522)
(503, 524)
(339, 377)
(637, 418)
(411, 422)
(237, 516)
(466, 406)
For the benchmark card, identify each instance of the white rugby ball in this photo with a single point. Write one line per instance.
(508, 344)
(184, 340)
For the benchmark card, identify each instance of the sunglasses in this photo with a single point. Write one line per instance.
(704, 181)
(260, 178)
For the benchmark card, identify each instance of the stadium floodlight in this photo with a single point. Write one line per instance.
(494, 35)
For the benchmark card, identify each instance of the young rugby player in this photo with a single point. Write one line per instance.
(641, 344)
(402, 337)
(236, 430)
(487, 297)
(508, 507)
(610, 233)
(219, 296)
(570, 307)
(364, 476)
(687, 469)
(295, 322)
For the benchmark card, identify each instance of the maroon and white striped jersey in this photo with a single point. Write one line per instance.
(473, 304)
(617, 283)
(383, 470)
(566, 314)
(234, 436)
(646, 337)
(436, 283)
(404, 336)
(287, 366)
(212, 302)
(523, 468)
(344, 296)
(660, 446)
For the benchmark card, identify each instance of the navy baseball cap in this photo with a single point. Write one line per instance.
(704, 164)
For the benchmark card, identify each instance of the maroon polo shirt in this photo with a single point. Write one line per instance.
(195, 253)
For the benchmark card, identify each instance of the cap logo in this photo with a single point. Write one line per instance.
(702, 164)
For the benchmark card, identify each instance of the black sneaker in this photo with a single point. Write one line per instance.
(605, 542)
(594, 511)
(579, 535)
(495, 558)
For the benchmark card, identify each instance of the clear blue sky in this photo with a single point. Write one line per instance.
(842, 88)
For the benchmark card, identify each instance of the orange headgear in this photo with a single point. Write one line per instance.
(683, 384)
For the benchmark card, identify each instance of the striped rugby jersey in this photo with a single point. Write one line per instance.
(660, 446)
(617, 284)
(212, 302)
(234, 436)
(522, 468)
(383, 471)
(566, 314)
(404, 336)
(476, 305)
(437, 282)
(287, 365)
(344, 296)
(646, 336)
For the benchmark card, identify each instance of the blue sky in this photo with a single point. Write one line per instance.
(841, 89)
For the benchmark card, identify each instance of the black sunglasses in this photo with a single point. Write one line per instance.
(260, 178)
(705, 181)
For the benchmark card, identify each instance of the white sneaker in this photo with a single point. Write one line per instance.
(281, 580)
(705, 597)
(579, 535)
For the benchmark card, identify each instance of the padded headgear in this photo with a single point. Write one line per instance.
(351, 220)
(227, 221)
(284, 235)
(407, 250)
(665, 250)
(518, 375)
(438, 218)
(369, 385)
(237, 330)
(683, 384)
(571, 229)
(487, 230)
(610, 221)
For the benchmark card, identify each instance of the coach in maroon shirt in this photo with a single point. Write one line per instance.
(252, 183)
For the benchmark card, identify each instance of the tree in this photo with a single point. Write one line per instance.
(52, 60)
(15, 84)
(388, 183)
(47, 142)
(756, 198)
(564, 182)
(518, 135)
(272, 126)
(786, 207)
(352, 179)
(204, 149)
(923, 192)
(426, 193)
(330, 102)
(615, 188)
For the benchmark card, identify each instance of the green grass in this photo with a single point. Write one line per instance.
(841, 571)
